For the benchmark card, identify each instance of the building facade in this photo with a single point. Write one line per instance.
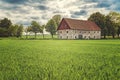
(78, 29)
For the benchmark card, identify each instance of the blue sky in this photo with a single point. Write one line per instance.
(25, 11)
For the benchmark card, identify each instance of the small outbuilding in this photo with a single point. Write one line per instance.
(78, 29)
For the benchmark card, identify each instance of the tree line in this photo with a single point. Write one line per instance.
(7, 29)
(50, 27)
(109, 24)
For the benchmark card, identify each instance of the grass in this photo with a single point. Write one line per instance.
(59, 60)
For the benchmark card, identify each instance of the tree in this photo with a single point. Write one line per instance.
(57, 19)
(35, 27)
(41, 29)
(110, 26)
(51, 27)
(4, 26)
(5, 23)
(99, 19)
(13, 30)
(27, 29)
(19, 31)
(115, 17)
(118, 31)
(3, 32)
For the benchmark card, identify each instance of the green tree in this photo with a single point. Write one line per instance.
(41, 29)
(51, 27)
(99, 19)
(110, 26)
(3, 32)
(27, 30)
(118, 31)
(57, 19)
(5, 23)
(13, 30)
(4, 26)
(115, 17)
(35, 27)
(19, 31)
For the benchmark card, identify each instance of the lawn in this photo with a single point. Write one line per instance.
(59, 59)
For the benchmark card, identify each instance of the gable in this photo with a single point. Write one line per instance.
(63, 25)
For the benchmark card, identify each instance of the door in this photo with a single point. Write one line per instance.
(80, 36)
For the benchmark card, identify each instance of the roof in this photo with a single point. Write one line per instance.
(81, 24)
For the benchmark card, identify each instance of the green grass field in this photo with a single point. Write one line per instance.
(59, 59)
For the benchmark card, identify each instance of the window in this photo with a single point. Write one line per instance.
(67, 31)
(94, 37)
(94, 32)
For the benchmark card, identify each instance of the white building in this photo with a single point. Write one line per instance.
(78, 29)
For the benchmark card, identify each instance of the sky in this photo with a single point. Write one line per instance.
(25, 11)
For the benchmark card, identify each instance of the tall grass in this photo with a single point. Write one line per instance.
(59, 59)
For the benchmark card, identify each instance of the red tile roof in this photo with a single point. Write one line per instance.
(81, 24)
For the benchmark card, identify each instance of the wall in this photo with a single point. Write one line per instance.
(76, 34)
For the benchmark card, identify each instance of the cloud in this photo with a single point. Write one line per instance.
(25, 11)
(15, 1)
(81, 12)
(42, 7)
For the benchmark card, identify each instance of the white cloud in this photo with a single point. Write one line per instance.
(42, 10)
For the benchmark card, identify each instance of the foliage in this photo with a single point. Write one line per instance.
(59, 60)
(3, 32)
(5, 23)
(4, 26)
(57, 19)
(7, 29)
(51, 27)
(115, 17)
(35, 27)
(15, 30)
(118, 31)
(42, 30)
(99, 19)
(19, 30)
(109, 24)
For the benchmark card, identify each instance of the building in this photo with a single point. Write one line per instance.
(78, 29)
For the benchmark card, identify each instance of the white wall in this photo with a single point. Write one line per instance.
(74, 34)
